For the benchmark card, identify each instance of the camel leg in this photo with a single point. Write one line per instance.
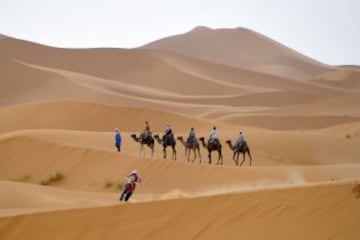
(220, 158)
(242, 160)
(194, 155)
(174, 152)
(141, 149)
(249, 157)
(236, 160)
(164, 152)
(209, 155)
(152, 150)
(199, 154)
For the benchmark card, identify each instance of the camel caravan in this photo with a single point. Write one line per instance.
(192, 145)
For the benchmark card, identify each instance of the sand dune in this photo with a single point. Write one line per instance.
(20, 198)
(59, 108)
(342, 106)
(151, 78)
(88, 160)
(290, 122)
(91, 116)
(319, 212)
(344, 78)
(243, 48)
(316, 147)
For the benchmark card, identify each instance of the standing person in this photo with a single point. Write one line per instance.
(117, 139)
(132, 180)
(213, 135)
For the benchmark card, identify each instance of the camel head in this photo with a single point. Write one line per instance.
(230, 144)
(181, 139)
(156, 136)
(202, 140)
(133, 136)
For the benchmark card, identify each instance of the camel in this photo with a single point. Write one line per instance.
(149, 141)
(213, 146)
(168, 141)
(188, 147)
(244, 148)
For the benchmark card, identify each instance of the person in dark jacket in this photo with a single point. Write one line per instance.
(117, 140)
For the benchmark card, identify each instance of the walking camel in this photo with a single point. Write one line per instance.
(168, 141)
(148, 141)
(237, 149)
(213, 146)
(195, 147)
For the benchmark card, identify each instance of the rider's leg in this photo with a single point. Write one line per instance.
(122, 196)
(128, 196)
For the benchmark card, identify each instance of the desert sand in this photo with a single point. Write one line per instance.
(59, 108)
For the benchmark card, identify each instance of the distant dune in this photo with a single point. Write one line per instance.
(242, 48)
(349, 79)
(59, 109)
(91, 116)
(151, 78)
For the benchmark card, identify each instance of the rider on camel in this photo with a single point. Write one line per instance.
(192, 137)
(168, 132)
(147, 132)
(213, 137)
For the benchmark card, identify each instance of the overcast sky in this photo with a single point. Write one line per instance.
(326, 30)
